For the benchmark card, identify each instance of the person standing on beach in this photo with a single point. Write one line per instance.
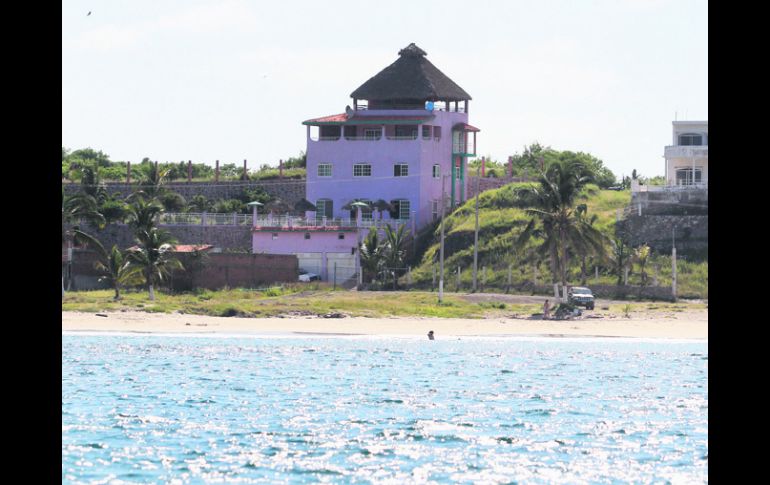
(546, 311)
(430, 335)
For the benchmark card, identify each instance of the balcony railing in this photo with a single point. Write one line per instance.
(363, 138)
(686, 151)
(288, 222)
(669, 187)
(284, 221)
(401, 137)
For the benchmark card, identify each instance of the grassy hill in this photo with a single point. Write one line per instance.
(502, 217)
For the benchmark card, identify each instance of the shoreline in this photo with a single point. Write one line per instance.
(689, 325)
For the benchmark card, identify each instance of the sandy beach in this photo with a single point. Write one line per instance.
(681, 325)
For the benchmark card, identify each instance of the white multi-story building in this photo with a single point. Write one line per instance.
(687, 160)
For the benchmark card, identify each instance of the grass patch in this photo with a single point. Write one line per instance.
(272, 302)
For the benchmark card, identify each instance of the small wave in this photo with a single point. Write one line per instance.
(540, 412)
(315, 471)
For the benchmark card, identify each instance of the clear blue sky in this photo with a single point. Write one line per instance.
(203, 80)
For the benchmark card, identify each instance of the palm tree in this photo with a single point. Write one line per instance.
(563, 229)
(75, 208)
(152, 258)
(143, 215)
(116, 266)
(592, 245)
(642, 254)
(620, 257)
(371, 253)
(394, 251)
(151, 183)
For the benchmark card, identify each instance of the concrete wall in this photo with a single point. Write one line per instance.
(289, 190)
(671, 202)
(225, 237)
(221, 269)
(489, 183)
(657, 232)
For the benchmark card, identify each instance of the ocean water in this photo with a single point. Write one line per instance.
(305, 409)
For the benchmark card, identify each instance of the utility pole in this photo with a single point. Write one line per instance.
(476, 235)
(441, 257)
(673, 264)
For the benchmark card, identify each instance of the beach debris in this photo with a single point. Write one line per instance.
(333, 315)
(101, 315)
(188, 324)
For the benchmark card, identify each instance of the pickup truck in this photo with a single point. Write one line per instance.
(581, 296)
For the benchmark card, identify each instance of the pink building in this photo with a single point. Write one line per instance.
(406, 132)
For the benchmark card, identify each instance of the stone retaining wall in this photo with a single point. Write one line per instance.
(289, 190)
(226, 237)
(657, 231)
(219, 270)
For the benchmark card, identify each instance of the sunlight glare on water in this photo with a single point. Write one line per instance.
(175, 409)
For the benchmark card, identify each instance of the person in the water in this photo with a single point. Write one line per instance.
(430, 335)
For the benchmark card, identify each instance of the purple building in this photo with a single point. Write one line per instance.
(408, 127)
(406, 132)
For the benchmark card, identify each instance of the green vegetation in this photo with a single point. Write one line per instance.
(73, 163)
(536, 158)
(503, 217)
(319, 299)
(299, 299)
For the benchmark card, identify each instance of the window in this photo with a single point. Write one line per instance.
(436, 132)
(324, 208)
(324, 169)
(406, 131)
(426, 129)
(372, 134)
(341, 235)
(351, 131)
(689, 139)
(362, 170)
(434, 205)
(436, 171)
(399, 209)
(404, 209)
(400, 170)
(307, 235)
(275, 235)
(330, 132)
(684, 176)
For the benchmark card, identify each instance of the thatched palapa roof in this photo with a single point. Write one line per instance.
(411, 77)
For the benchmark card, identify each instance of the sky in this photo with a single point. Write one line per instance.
(230, 80)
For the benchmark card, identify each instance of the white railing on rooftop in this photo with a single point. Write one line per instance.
(284, 221)
(297, 221)
(668, 187)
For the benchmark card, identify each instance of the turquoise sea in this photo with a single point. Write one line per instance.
(305, 409)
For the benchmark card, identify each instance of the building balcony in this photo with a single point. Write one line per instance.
(681, 151)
